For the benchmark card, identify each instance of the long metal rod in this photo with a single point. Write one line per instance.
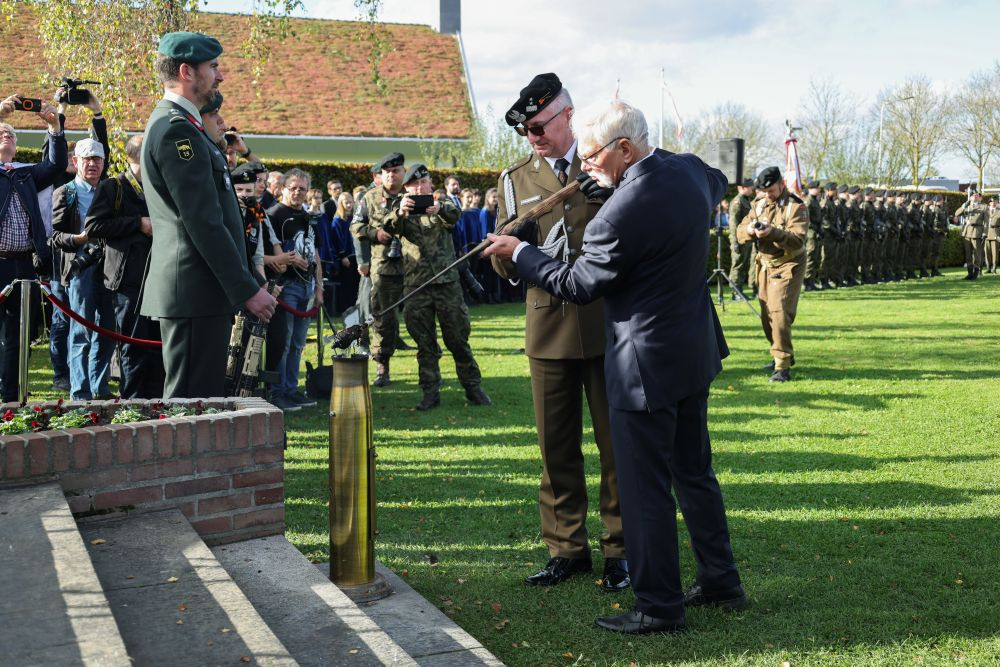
(542, 207)
(25, 342)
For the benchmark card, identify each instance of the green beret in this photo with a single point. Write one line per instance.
(214, 105)
(415, 172)
(189, 47)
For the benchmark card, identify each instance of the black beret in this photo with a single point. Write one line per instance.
(832, 185)
(247, 172)
(813, 184)
(842, 189)
(389, 161)
(891, 193)
(747, 183)
(941, 198)
(768, 177)
(916, 196)
(415, 172)
(880, 193)
(868, 191)
(189, 47)
(853, 190)
(213, 105)
(534, 97)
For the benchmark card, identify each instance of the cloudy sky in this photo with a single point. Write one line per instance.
(761, 53)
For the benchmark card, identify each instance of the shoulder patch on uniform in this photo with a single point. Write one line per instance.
(185, 150)
(517, 165)
(794, 197)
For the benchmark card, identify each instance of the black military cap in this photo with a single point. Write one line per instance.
(832, 185)
(247, 172)
(842, 189)
(890, 193)
(388, 162)
(868, 191)
(214, 104)
(768, 177)
(940, 198)
(534, 97)
(189, 47)
(916, 196)
(415, 172)
(853, 190)
(747, 183)
(813, 184)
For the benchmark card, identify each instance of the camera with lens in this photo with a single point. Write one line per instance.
(395, 249)
(72, 93)
(759, 225)
(86, 257)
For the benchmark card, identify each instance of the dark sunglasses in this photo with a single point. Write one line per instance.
(537, 130)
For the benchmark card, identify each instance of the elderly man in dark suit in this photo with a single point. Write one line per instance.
(664, 347)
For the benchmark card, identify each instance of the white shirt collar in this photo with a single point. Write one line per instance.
(184, 102)
(570, 154)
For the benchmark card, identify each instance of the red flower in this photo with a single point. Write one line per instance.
(37, 408)
(93, 417)
(59, 403)
(9, 415)
(162, 416)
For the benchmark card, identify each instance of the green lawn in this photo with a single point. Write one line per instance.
(863, 497)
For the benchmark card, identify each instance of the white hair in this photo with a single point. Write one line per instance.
(601, 124)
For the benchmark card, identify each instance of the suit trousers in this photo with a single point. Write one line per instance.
(557, 387)
(779, 298)
(194, 355)
(656, 451)
(973, 252)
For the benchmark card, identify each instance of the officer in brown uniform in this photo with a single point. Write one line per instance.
(993, 237)
(778, 220)
(564, 342)
(973, 232)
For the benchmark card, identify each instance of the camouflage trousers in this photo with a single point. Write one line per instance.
(445, 304)
(914, 254)
(386, 290)
(739, 271)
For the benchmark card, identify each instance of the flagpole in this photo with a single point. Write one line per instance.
(662, 117)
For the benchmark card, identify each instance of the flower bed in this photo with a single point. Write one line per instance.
(39, 417)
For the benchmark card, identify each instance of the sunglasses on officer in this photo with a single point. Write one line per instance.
(537, 130)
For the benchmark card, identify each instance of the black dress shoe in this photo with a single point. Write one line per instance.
(559, 569)
(783, 375)
(729, 598)
(615, 577)
(637, 623)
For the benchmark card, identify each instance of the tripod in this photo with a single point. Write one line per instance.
(720, 277)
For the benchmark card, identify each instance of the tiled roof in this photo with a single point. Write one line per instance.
(317, 82)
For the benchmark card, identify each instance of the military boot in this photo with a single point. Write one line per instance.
(969, 273)
(784, 375)
(432, 399)
(477, 396)
(382, 374)
(809, 286)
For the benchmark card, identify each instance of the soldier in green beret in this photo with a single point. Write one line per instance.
(198, 275)
(427, 249)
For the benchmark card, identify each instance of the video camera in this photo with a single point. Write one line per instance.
(71, 93)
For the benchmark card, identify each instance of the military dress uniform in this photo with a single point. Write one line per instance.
(973, 232)
(781, 269)
(198, 275)
(854, 233)
(868, 241)
(993, 240)
(939, 231)
(564, 344)
(427, 248)
(829, 239)
(916, 245)
(814, 236)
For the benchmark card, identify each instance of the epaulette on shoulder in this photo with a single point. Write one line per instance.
(795, 198)
(177, 119)
(517, 165)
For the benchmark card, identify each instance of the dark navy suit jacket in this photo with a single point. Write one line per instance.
(645, 253)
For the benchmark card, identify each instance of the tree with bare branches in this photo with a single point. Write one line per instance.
(916, 120)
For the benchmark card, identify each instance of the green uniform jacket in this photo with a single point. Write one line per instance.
(198, 263)
(427, 244)
(738, 209)
(815, 214)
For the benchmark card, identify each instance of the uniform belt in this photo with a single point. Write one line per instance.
(15, 254)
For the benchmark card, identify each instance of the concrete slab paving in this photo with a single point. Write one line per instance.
(313, 618)
(173, 602)
(52, 608)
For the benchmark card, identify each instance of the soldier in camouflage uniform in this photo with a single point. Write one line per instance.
(879, 269)
(829, 238)
(902, 235)
(814, 236)
(928, 225)
(939, 230)
(741, 254)
(993, 237)
(973, 230)
(854, 234)
(868, 240)
(428, 248)
(386, 269)
(891, 223)
(916, 236)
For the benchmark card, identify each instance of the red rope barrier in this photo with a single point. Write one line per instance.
(299, 313)
(104, 331)
(6, 292)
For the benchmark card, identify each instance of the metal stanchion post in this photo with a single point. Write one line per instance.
(25, 341)
(352, 483)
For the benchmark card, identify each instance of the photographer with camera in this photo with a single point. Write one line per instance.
(82, 274)
(24, 251)
(119, 217)
(302, 285)
(778, 220)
